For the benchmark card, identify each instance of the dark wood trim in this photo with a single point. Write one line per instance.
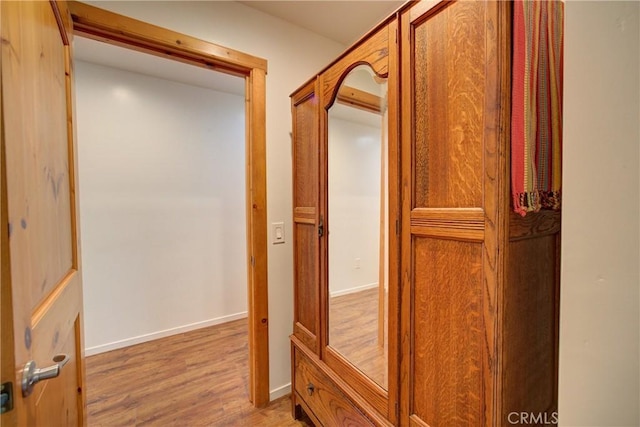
(497, 195)
(92, 22)
(534, 224)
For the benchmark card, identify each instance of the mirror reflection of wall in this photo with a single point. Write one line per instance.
(354, 185)
(357, 218)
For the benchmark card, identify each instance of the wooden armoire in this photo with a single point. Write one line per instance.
(456, 321)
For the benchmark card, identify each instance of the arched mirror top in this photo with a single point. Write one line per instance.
(374, 53)
(357, 87)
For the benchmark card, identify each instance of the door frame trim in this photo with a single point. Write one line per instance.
(98, 24)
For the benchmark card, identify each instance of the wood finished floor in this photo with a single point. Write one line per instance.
(353, 326)
(199, 378)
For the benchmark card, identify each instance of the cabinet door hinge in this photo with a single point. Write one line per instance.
(321, 228)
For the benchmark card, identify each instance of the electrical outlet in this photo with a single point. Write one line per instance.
(357, 263)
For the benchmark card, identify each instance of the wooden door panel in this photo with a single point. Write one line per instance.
(306, 152)
(44, 278)
(38, 167)
(57, 402)
(306, 215)
(449, 208)
(306, 236)
(449, 341)
(448, 58)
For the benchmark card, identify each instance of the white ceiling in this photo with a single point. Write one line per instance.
(342, 21)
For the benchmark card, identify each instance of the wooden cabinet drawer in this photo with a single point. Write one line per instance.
(327, 403)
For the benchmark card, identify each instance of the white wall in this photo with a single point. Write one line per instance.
(294, 55)
(599, 317)
(354, 204)
(162, 208)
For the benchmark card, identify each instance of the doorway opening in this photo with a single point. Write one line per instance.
(111, 28)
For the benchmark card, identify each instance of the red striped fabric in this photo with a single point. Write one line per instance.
(536, 116)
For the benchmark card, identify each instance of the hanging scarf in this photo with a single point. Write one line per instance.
(536, 120)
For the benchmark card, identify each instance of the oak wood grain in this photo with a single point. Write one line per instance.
(455, 134)
(448, 93)
(448, 337)
(472, 274)
(457, 223)
(373, 51)
(326, 402)
(361, 403)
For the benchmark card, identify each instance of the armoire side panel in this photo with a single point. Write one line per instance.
(449, 64)
(305, 214)
(530, 319)
(448, 332)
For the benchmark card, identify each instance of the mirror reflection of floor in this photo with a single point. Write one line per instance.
(353, 331)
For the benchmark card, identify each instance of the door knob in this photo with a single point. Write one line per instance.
(32, 375)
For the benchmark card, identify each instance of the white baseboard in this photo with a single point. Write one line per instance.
(353, 290)
(279, 392)
(161, 334)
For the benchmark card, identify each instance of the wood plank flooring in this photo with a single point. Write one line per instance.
(199, 378)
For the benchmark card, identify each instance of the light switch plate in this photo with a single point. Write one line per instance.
(277, 232)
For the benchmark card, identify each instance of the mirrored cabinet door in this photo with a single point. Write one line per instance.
(357, 220)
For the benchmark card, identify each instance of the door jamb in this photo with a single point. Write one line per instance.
(98, 24)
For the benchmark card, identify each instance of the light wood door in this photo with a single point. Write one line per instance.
(41, 281)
